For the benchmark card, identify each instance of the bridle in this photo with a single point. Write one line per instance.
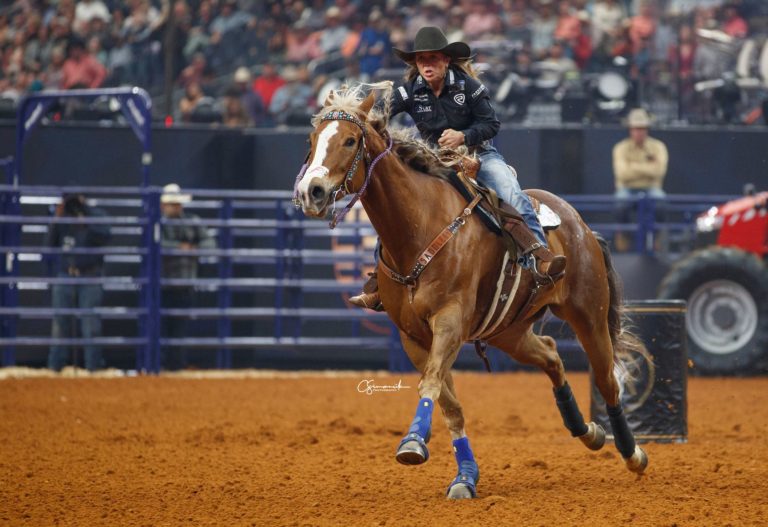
(344, 188)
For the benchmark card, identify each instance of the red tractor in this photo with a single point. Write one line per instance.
(725, 283)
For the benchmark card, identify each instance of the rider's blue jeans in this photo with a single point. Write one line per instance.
(496, 174)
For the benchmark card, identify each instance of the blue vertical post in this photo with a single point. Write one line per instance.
(646, 224)
(136, 105)
(13, 239)
(280, 245)
(10, 238)
(155, 281)
(640, 205)
(296, 239)
(148, 359)
(144, 353)
(224, 356)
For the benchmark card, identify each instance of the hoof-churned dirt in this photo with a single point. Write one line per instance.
(317, 451)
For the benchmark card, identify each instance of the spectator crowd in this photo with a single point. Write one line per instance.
(268, 62)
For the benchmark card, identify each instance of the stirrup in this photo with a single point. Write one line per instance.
(554, 272)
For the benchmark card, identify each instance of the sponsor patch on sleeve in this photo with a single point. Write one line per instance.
(478, 92)
(403, 93)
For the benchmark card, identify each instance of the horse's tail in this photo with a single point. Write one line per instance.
(626, 345)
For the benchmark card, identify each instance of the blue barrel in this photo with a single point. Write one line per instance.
(655, 402)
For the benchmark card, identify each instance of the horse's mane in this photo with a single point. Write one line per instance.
(413, 151)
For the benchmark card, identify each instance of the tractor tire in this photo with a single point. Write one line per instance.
(727, 319)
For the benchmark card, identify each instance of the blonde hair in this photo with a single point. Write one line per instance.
(348, 98)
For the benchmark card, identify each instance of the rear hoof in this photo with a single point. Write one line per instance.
(594, 439)
(460, 491)
(411, 453)
(638, 461)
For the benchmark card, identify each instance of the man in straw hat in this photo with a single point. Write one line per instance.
(639, 166)
(452, 108)
(179, 237)
(639, 161)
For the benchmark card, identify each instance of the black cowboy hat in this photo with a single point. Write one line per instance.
(430, 38)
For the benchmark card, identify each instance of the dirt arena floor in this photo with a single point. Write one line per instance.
(313, 450)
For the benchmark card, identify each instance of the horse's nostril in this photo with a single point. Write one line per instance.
(317, 192)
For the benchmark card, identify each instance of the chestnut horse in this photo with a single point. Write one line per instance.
(352, 150)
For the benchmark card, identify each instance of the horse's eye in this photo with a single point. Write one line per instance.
(350, 142)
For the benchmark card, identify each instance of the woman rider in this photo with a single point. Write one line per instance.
(451, 108)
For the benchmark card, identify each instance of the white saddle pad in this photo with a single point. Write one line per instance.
(548, 218)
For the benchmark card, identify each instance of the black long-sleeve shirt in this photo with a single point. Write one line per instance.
(464, 104)
(72, 236)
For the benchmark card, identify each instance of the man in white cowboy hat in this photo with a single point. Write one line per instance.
(452, 108)
(640, 161)
(639, 168)
(179, 237)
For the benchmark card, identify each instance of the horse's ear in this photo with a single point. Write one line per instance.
(328, 99)
(367, 104)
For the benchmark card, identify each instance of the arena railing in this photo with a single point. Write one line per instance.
(276, 281)
(656, 224)
(251, 229)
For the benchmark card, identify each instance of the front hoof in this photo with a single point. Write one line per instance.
(464, 485)
(460, 491)
(412, 452)
(594, 439)
(638, 461)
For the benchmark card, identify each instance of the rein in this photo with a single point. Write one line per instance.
(344, 187)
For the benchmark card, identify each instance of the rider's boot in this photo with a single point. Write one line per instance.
(547, 267)
(370, 296)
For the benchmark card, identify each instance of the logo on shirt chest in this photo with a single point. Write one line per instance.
(459, 98)
(423, 108)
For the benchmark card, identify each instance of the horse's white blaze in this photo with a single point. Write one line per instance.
(319, 156)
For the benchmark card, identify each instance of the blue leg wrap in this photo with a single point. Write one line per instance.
(469, 473)
(569, 410)
(622, 435)
(421, 427)
(422, 423)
